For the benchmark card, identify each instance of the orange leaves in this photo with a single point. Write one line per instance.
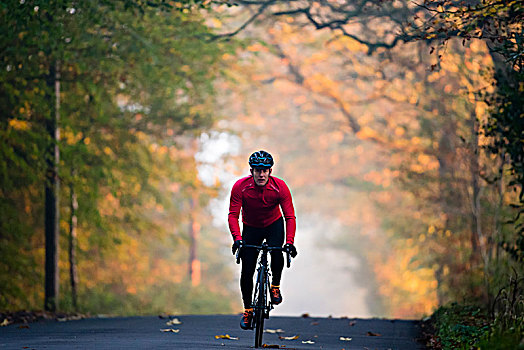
(19, 124)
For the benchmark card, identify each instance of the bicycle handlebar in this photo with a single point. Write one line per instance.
(264, 246)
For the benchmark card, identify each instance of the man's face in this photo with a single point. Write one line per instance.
(261, 176)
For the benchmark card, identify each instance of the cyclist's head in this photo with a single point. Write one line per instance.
(261, 160)
(261, 163)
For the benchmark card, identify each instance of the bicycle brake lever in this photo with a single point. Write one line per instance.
(238, 255)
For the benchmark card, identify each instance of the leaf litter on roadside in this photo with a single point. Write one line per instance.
(345, 338)
(295, 337)
(174, 321)
(225, 336)
(170, 330)
(372, 334)
(273, 331)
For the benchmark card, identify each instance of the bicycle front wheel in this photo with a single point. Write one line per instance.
(259, 330)
(260, 310)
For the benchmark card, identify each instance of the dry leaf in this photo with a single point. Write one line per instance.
(345, 339)
(314, 323)
(371, 334)
(307, 342)
(352, 323)
(306, 315)
(225, 336)
(295, 337)
(172, 322)
(4, 323)
(23, 326)
(271, 346)
(170, 330)
(273, 331)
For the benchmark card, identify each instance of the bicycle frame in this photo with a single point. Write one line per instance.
(261, 303)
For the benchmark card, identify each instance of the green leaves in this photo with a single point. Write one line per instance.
(135, 76)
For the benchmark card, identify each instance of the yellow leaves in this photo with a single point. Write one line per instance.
(413, 99)
(345, 339)
(435, 75)
(4, 323)
(71, 138)
(321, 83)
(19, 124)
(367, 133)
(317, 57)
(480, 109)
(257, 47)
(225, 336)
(399, 131)
(216, 23)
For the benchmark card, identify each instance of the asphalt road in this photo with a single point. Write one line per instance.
(199, 332)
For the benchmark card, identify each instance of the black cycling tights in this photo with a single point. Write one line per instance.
(274, 236)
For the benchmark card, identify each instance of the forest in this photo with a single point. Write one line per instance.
(397, 125)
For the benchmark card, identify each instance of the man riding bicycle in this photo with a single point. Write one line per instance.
(260, 196)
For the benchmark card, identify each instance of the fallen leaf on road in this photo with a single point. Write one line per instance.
(352, 323)
(170, 330)
(23, 326)
(345, 339)
(4, 323)
(307, 342)
(306, 315)
(371, 334)
(271, 346)
(295, 337)
(314, 323)
(174, 321)
(273, 331)
(225, 336)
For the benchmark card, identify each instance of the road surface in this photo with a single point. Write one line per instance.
(200, 332)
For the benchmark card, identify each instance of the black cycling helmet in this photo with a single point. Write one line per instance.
(261, 159)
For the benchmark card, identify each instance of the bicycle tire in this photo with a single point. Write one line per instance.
(260, 310)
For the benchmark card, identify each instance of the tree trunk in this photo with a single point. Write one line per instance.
(52, 193)
(194, 230)
(73, 222)
(476, 230)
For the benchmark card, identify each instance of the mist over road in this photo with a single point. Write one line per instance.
(199, 332)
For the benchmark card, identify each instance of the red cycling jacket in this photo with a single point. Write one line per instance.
(260, 206)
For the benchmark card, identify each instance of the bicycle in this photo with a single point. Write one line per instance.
(261, 303)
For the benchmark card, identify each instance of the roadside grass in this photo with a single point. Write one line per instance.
(467, 327)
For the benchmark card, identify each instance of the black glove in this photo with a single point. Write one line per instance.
(236, 246)
(290, 248)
